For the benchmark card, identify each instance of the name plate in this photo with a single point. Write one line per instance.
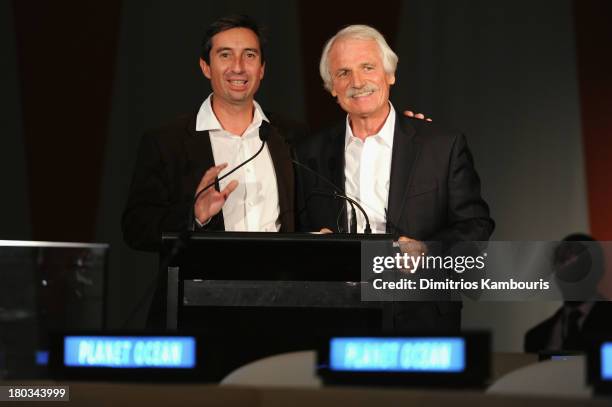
(130, 352)
(461, 360)
(397, 354)
(606, 361)
(599, 364)
(127, 356)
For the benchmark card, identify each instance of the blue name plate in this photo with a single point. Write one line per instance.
(130, 352)
(606, 361)
(436, 355)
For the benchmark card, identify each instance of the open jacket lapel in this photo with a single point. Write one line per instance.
(335, 169)
(283, 168)
(199, 159)
(405, 154)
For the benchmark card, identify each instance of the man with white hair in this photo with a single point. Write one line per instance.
(414, 179)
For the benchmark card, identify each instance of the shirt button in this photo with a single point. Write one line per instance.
(250, 203)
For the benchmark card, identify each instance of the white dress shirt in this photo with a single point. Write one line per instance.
(367, 173)
(253, 206)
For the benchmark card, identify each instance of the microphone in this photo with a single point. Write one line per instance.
(263, 136)
(339, 195)
(184, 236)
(332, 164)
(353, 225)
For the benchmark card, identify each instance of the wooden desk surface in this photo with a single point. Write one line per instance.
(175, 395)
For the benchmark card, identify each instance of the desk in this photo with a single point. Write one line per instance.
(152, 395)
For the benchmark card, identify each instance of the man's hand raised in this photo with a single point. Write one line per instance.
(211, 201)
(410, 113)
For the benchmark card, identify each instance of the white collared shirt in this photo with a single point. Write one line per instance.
(367, 173)
(253, 206)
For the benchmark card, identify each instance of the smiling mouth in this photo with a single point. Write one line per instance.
(238, 82)
(363, 94)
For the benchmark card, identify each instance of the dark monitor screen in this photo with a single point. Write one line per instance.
(46, 287)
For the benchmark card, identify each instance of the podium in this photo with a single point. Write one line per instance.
(281, 291)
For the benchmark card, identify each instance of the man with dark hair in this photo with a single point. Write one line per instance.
(227, 23)
(178, 160)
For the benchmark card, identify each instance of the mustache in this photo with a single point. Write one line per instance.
(368, 87)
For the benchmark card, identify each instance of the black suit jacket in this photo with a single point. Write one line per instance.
(434, 191)
(597, 322)
(434, 195)
(171, 162)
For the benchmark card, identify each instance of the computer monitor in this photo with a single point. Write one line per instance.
(46, 287)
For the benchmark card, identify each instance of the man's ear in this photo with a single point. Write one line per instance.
(205, 68)
(263, 69)
(391, 78)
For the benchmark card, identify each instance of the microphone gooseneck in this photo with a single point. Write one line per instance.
(183, 238)
(339, 195)
(263, 136)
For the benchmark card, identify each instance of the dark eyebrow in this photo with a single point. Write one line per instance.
(255, 50)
